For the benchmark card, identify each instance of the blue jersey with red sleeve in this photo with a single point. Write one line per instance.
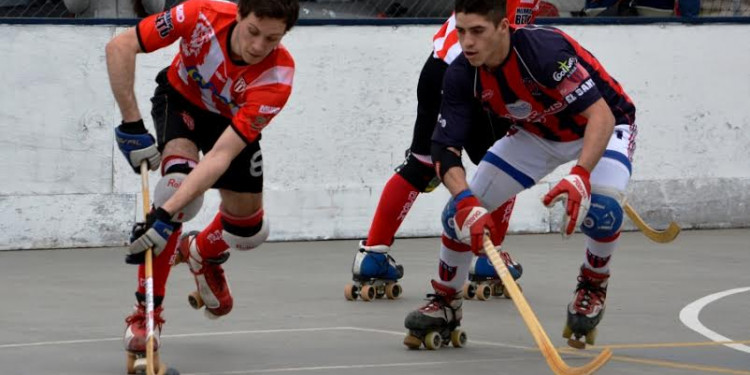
(542, 86)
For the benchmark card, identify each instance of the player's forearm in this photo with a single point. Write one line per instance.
(599, 130)
(121, 69)
(205, 175)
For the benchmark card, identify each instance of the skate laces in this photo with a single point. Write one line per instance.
(138, 317)
(589, 293)
(437, 302)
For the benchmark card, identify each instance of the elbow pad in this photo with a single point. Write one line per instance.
(444, 159)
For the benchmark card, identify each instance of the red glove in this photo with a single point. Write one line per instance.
(472, 221)
(575, 188)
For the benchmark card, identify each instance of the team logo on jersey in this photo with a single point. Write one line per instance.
(240, 85)
(565, 69)
(487, 95)
(202, 34)
(520, 109)
(164, 24)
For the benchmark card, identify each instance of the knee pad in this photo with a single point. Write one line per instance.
(605, 216)
(420, 175)
(174, 175)
(245, 233)
(449, 221)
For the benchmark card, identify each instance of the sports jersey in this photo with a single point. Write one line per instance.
(542, 86)
(445, 41)
(204, 73)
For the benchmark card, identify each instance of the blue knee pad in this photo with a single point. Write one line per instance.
(604, 218)
(447, 217)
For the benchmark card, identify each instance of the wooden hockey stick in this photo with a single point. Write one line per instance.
(149, 279)
(660, 236)
(555, 362)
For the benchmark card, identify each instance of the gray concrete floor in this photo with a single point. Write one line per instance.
(62, 311)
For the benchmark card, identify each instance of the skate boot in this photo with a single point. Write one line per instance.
(213, 291)
(436, 323)
(484, 281)
(135, 336)
(586, 309)
(375, 274)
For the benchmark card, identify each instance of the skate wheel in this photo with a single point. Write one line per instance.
(412, 342)
(497, 290)
(195, 300)
(591, 336)
(367, 293)
(484, 292)
(393, 291)
(576, 344)
(351, 292)
(567, 332)
(130, 363)
(433, 341)
(458, 338)
(470, 290)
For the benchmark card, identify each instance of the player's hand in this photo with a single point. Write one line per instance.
(472, 222)
(137, 145)
(575, 189)
(154, 234)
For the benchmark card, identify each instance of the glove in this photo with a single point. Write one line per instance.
(137, 145)
(472, 221)
(575, 188)
(154, 234)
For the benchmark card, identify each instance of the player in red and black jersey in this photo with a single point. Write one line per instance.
(564, 106)
(374, 271)
(230, 78)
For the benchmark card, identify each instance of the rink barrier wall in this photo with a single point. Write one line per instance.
(349, 120)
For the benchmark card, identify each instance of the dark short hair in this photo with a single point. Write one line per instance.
(494, 10)
(287, 10)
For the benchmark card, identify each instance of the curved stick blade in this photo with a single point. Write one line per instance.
(663, 236)
(549, 352)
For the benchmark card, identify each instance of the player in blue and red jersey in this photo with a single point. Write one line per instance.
(564, 107)
(374, 271)
(229, 79)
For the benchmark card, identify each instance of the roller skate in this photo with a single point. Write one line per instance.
(483, 280)
(375, 274)
(135, 337)
(435, 324)
(587, 308)
(212, 290)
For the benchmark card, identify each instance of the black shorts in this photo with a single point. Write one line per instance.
(486, 127)
(175, 117)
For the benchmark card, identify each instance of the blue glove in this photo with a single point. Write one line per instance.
(154, 234)
(137, 145)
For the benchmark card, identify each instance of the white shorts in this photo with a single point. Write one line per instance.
(519, 160)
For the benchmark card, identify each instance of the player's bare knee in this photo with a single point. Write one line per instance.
(245, 233)
(180, 147)
(175, 169)
(604, 219)
(418, 173)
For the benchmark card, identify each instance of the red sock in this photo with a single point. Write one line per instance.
(209, 240)
(395, 202)
(501, 218)
(160, 267)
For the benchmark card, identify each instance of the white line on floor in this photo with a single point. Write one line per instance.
(689, 317)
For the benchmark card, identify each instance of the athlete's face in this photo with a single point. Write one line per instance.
(483, 42)
(254, 38)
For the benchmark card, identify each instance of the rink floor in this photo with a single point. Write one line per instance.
(63, 311)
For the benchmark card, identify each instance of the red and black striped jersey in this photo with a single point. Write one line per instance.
(542, 86)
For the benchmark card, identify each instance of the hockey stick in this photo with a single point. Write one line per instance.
(660, 236)
(149, 279)
(555, 362)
